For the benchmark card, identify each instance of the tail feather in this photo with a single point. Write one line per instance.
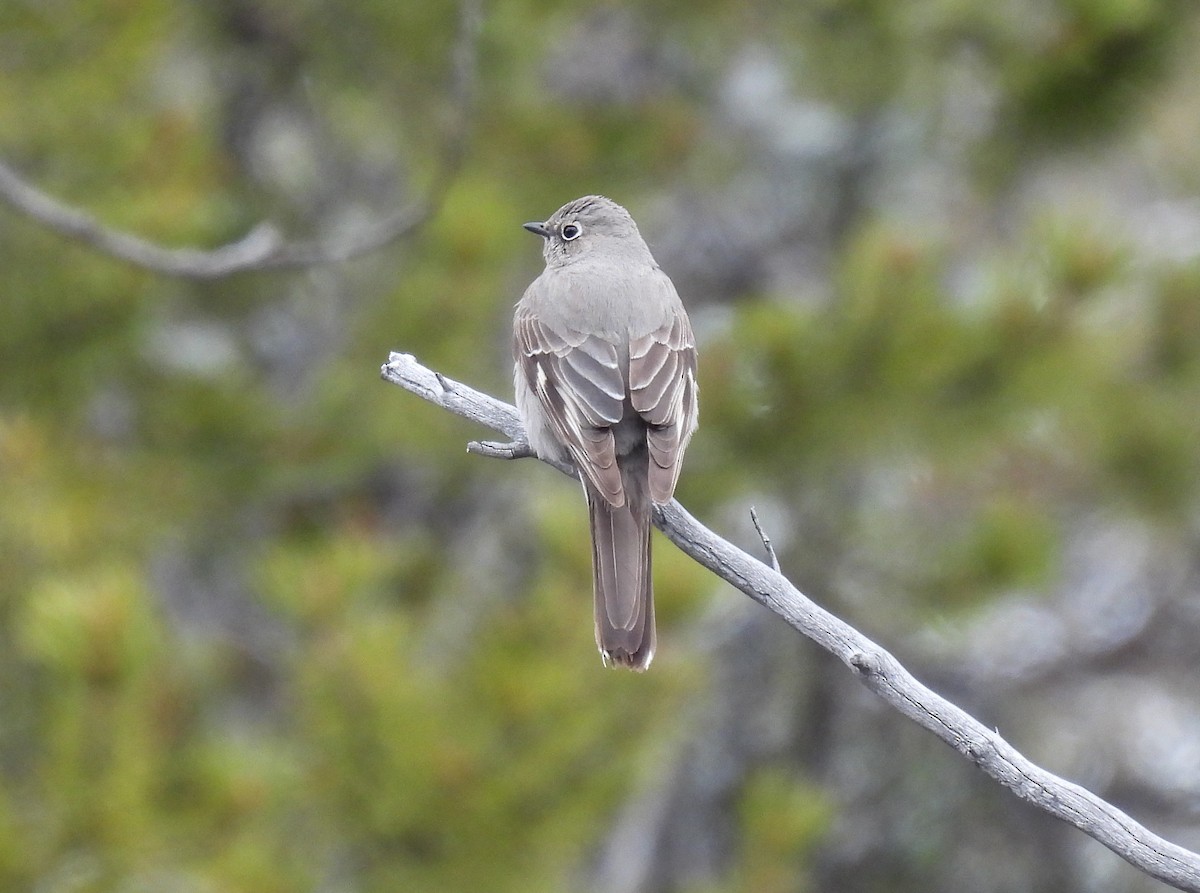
(624, 597)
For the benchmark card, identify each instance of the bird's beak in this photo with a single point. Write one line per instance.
(538, 228)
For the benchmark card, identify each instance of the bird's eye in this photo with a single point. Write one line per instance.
(571, 231)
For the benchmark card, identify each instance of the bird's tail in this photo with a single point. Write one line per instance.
(621, 575)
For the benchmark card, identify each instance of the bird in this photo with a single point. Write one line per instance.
(605, 378)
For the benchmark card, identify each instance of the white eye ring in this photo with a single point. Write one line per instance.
(571, 232)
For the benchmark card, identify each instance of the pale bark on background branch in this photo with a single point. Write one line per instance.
(877, 669)
(264, 247)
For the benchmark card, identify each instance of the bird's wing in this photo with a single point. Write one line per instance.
(662, 387)
(578, 382)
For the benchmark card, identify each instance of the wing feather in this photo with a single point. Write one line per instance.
(662, 375)
(581, 383)
(578, 382)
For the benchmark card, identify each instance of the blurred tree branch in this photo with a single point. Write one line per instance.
(878, 670)
(264, 247)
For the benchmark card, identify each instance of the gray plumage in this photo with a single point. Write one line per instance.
(606, 377)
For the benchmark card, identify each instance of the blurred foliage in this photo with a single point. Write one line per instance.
(300, 740)
(784, 819)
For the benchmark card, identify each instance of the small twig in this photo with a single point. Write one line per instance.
(766, 540)
(873, 665)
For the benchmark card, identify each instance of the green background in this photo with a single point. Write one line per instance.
(265, 626)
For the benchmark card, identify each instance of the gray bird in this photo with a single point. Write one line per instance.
(606, 377)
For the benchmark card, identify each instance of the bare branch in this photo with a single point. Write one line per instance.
(404, 370)
(878, 670)
(264, 247)
(515, 450)
(75, 224)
